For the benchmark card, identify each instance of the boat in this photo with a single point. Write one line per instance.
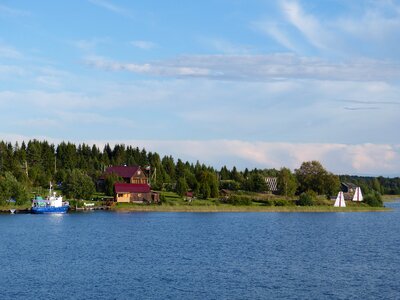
(12, 210)
(358, 195)
(52, 204)
(340, 200)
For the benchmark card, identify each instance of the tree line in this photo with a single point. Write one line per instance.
(76, 168)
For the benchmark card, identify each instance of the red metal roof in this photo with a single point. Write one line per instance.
(131, 188)
(123, 171)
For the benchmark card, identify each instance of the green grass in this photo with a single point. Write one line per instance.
(7, 207)
(235, 208)
(265, 203)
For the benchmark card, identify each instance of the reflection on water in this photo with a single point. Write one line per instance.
(111, 255)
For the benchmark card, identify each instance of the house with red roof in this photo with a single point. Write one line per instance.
(135, 193)
(130, 174)
(135, 188)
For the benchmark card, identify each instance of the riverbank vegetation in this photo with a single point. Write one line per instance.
(28, 168)
(250, 202)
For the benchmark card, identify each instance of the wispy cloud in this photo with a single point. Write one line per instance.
(361, 108)
(89, 45)
(7, 51)
(12, 11)
(307, 24)
(8, 70)
(144, 45)
(370, 29)
(275, 31)
(257, 67)
(112, 7)
(224, 46)
(370, 102)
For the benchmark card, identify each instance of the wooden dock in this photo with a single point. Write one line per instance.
(88, 208)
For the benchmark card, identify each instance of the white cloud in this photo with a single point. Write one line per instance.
(89, 45)
(224, 46)
(294, 110)
(258, 67)
(12, 11)
(272, 29)
(307, 24)
(369, 29)
(9, 70)
(7, 51)
(111, 7)
(144, 45)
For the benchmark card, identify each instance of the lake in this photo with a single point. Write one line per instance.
(114, 255)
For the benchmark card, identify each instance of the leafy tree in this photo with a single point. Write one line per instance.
(209, 186)
(332, 185)
(256, 183)
(205, 190)
(376, 186)
(109, 182)
(78, 185)
(181, 186)
(287, 183)
(230, 185)
(312, 176)
(11, 188)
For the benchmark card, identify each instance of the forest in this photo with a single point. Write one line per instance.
(76, 169)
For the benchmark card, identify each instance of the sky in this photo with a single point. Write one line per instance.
(245, 83)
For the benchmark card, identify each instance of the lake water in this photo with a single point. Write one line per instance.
(109, 255)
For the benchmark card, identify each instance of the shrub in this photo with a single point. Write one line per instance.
(306, 199)
(240, 200)
(76, 203)
(281, 202)
(373, 199)
(162, 198)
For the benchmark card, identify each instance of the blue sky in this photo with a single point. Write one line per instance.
(247, 83)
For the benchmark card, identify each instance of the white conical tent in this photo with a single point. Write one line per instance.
(358, 195)
(340, 200)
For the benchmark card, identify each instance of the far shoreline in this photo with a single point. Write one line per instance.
(272, 209)
(222, 208)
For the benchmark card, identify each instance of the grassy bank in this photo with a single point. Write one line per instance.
(6, 208)
(236, 208)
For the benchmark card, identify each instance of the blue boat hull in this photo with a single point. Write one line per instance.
(50, 210)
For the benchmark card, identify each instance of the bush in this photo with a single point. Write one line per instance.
(373, 199)
(281, 202)
(306, 199)
(76, 203)
(268, 203)
(240, 200)
(162, 198)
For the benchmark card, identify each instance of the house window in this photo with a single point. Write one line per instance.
(120, 195)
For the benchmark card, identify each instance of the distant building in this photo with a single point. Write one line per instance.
(130, 174)
(272, 184)
(224, 195)
(134, 189)
(135, 193)
(348, 190)
(348, 187)
(189, 196)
